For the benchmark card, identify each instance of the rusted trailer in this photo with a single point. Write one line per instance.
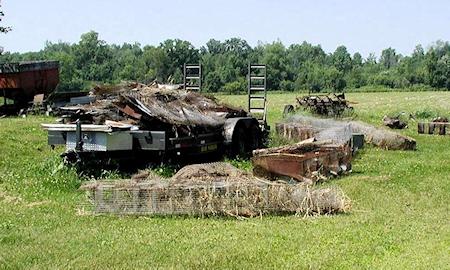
(22, 81)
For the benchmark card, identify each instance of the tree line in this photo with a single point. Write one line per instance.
(297, 67)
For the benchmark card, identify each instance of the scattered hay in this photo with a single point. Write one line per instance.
(214, 189)
(38, 203)
(14, 200)
(210, 172)
(8, 199)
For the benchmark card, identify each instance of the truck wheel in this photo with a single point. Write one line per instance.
(239, 142)
(254, 138)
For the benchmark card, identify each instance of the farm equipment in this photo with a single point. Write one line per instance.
(22, 82)
(328, 105)
(155, 123)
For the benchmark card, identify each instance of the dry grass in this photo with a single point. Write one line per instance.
(214, 189)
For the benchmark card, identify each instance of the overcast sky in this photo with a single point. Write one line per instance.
(361, 25)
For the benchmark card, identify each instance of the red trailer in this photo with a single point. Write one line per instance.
(22, 81)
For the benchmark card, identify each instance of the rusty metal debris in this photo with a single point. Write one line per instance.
(329, 105)
(146, 106)
(308, 161)
(325, 149)
(394, 122)
(23, 81)
(159, 120)
(323, 152)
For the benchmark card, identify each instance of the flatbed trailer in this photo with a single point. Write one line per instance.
(148, 123)
(85, 142)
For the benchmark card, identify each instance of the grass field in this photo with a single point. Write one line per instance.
(400, 216)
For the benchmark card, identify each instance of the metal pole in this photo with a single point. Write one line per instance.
(184, 76)
(199, 77)
(79, 142)
(249, 84)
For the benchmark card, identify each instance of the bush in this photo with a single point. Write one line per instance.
(213, 82)
(235, 87)
(287, 85)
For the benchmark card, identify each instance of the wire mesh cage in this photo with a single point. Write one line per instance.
(222, 198)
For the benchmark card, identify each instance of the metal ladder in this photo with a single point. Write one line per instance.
(192, 77)
(257, 92)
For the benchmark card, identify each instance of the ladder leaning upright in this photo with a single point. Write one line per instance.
(257, 93)
(192, 77)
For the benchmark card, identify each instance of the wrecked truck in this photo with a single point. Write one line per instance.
(153, 124)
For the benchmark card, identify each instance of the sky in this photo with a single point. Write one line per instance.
(361, 25)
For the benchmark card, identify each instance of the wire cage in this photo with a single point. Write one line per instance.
(215, 198)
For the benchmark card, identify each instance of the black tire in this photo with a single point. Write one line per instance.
(254, 141)
(239, 147)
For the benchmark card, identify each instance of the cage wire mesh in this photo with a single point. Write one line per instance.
(210, 196)
(339, 131)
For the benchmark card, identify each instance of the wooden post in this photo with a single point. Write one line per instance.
(421, 128)
(442, 129)
(431, 127)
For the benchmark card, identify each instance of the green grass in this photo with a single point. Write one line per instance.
(400, 216)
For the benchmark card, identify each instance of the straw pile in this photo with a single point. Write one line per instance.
(300, 127)
(216, 189)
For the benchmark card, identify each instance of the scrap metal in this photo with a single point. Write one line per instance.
(308, 161)
(329, 105)
(22, 81)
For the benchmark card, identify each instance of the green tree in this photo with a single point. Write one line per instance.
(69, 76)
(438, 65)
(275, 57)
(341, 59)
(93, 58)
(389, 58)
(213, 82)
(178, 53)
(157, 63)
(357, 60)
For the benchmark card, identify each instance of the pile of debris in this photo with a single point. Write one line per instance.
(328, 105)
(210, 189)
(300, 127)
(155, 106)
(308, 161)
(325, 148)
(394, 122)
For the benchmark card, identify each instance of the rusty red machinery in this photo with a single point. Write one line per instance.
(22, 81)
(307, 161)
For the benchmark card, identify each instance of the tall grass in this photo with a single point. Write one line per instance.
(399, 217)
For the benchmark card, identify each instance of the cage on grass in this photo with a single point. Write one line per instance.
(219, 195)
